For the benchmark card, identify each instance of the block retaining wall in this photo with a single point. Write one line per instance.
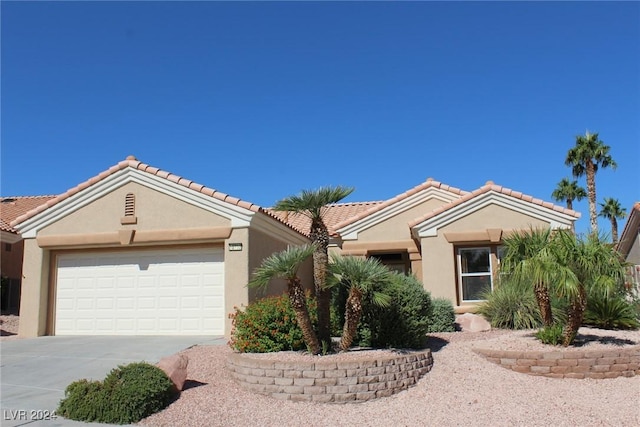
(330, 382)
(596, 364)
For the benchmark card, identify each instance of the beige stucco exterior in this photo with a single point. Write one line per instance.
(160, 221)
(439, 255)
(432, 258)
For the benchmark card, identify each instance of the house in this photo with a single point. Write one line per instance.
(629, 247)
(137, 250)
(450, 239)
(12, 246)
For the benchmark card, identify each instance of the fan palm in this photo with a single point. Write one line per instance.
(361, 276)
(612, 210)
(567, 191)
(594, 266)
(312, 204)
(528, 259)
(284, 265)
(589, 154)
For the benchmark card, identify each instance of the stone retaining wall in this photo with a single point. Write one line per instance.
(326, 381)
(569, 363)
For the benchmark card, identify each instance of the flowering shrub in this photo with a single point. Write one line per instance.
(268, 325)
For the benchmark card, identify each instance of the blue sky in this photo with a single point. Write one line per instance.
(262, 99)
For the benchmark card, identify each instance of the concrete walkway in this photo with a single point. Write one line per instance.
(35, 372)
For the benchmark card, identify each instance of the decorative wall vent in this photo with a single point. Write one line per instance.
(129, 210)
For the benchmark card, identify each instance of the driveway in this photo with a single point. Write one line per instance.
(35, 372)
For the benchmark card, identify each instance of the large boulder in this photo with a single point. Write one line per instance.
(470, 322)
(176, 368)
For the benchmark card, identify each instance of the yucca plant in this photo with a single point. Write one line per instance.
(511, 305)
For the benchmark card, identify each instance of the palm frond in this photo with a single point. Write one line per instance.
(281, 265)
(311, 202)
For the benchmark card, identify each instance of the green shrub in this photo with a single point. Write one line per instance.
(268, 325)
(84, 401)
(404, 323)
(610, 313)
(128, 394)
(550, 334)
(511, 305)
(443, 317)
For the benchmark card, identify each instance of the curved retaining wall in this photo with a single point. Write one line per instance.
(327, 381)
(569, 364)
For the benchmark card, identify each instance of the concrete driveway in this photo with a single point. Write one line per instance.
(35, 372)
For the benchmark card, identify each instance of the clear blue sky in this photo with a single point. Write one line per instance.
(262, 99)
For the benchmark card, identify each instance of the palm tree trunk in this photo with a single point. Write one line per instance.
(544, 303)
(576, 315)
(352, 314)
(573, 223)
(591, 192)
(320, 236)
(299, 304)
(614, 230)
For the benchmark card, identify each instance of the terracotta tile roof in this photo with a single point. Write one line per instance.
(429, 183)
(333, 214)
(132, 162)
(490, 186)
(14, 207)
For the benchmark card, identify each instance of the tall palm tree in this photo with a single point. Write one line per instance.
(591, 265)
(589, 154)
(312, 204)
(529, 260)
(361, 276)
(612, 210)
(284, 265)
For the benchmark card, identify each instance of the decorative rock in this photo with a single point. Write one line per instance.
(176, 368)
(470, 322)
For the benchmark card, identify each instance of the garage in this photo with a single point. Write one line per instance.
(140, 292)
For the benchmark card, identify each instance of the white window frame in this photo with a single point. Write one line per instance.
(492, 250)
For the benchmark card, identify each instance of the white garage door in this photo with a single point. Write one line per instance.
(160, 292)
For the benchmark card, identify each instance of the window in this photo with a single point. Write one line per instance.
(395, 261)
(475, 271)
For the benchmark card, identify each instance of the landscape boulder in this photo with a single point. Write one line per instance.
(470, 322)
(176, 368)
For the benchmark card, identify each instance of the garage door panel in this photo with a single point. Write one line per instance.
(141, 293)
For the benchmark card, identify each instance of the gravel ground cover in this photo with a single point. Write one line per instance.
(9, 326)
(461, 389)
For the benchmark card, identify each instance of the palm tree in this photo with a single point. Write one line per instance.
(529, 260)
(568, 191)
(284, 265)
(361, 276)
(612, 210)
(589, 154)
(592, 265)
(312, 204)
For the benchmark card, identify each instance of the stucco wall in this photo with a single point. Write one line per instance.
(35, 290)
(396, 228)
(438, 255)
(262, 246)
(634, 253)
(154, 210)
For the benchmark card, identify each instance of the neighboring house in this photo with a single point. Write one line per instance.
(629, 247)
(136, 250)
(139, 251)
(11, 261)
(450, 239)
